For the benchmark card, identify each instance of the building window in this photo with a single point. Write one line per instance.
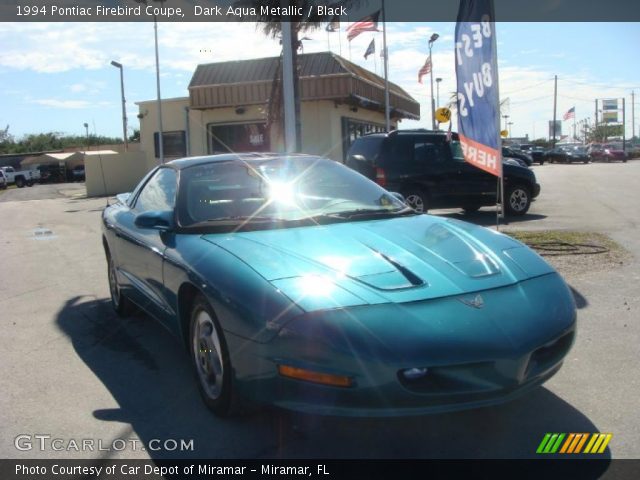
(238, 137)
(352, 129)
(174, 144)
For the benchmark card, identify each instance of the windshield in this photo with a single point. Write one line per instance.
(279, 190)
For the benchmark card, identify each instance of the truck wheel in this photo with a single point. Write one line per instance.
(417, 198)
(19, 182)
(29, 183)
(517, 200)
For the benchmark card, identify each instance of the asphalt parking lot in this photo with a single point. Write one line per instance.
(73, 370)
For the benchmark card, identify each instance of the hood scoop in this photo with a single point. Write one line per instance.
(400, 277)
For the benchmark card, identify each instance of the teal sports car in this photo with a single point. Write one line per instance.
(295, 281)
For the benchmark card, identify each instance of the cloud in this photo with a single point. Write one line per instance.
(68, 104)
(78, 87)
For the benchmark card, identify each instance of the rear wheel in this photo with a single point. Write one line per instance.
(517, 199)
(211, 359)
(19, 182)
(417, 198)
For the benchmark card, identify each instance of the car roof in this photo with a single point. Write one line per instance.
(187, 162)
(416, 131)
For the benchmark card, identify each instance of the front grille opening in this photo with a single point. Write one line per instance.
(550, 354)
(452, 379)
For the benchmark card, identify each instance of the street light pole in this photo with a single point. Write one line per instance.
(124, 111)
(438, 80)
(86, 128)
(510, 134)
(433, 38)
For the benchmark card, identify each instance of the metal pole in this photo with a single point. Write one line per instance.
(124, 111)
(438, 80)
(595, 124)
(555, 103)
(287, 85)
(624, 147)
(633, 114)
(387, 108)
(160, 131)
(433, 102)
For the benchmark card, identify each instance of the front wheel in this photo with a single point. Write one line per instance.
(211, 359)
(20, 182)
(518, 200)
(417, 199)
(120, 303)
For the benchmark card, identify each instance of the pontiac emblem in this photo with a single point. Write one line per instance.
(476, 302)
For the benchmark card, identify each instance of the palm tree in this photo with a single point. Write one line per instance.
(271, 26)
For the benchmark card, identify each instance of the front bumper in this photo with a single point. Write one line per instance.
(474, 357)
(536, 190)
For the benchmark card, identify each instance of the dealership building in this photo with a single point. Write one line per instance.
(236, 107)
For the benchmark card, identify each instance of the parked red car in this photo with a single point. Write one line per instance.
(611, 153)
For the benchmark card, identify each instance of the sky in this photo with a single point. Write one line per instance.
(57, 76)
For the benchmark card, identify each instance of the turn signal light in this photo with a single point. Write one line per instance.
(315, 377)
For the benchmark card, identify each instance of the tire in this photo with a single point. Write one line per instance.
(469, 209)
(19, 182)
(210, 357)
(417, 198)
(29, 183)
(119, 302)
(517, 199)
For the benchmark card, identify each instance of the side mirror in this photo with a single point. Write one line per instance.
(157, 220)
(123, 197)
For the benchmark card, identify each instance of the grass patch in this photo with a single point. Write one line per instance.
(574, 253)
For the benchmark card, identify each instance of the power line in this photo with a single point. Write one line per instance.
(592, 84)
(526, 88)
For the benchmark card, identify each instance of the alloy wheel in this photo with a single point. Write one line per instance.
(208, 355)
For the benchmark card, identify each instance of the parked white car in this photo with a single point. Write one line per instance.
(21, 177)
(3, 180)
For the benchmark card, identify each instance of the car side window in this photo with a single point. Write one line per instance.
(427, 153)
(159, 193)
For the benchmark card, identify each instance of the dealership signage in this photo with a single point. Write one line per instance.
(477, 82)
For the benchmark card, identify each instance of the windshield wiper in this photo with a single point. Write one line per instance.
(369, 212)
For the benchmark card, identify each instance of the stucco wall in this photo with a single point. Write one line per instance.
(122, 172)
(321, 124)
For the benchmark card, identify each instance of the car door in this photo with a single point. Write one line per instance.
(472, 186)
(141, 251)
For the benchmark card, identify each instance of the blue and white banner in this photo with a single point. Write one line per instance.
(477, 76)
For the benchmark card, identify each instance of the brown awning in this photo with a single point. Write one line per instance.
(323, 76)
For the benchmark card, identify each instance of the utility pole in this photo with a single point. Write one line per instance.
(287, 86)
(624, 146)
(555, 104)
(633, 114)
(595, 123)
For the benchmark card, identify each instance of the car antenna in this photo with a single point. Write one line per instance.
(104, 182)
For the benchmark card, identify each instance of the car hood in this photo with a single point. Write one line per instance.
(395, 260)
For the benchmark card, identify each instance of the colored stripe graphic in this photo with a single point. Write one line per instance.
(553, 443)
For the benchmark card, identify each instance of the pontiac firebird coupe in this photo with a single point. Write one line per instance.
(297, 282)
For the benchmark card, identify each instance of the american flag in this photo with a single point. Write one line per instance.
(367, 24)
(371, 49)
(426, 68)
(571, 113)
